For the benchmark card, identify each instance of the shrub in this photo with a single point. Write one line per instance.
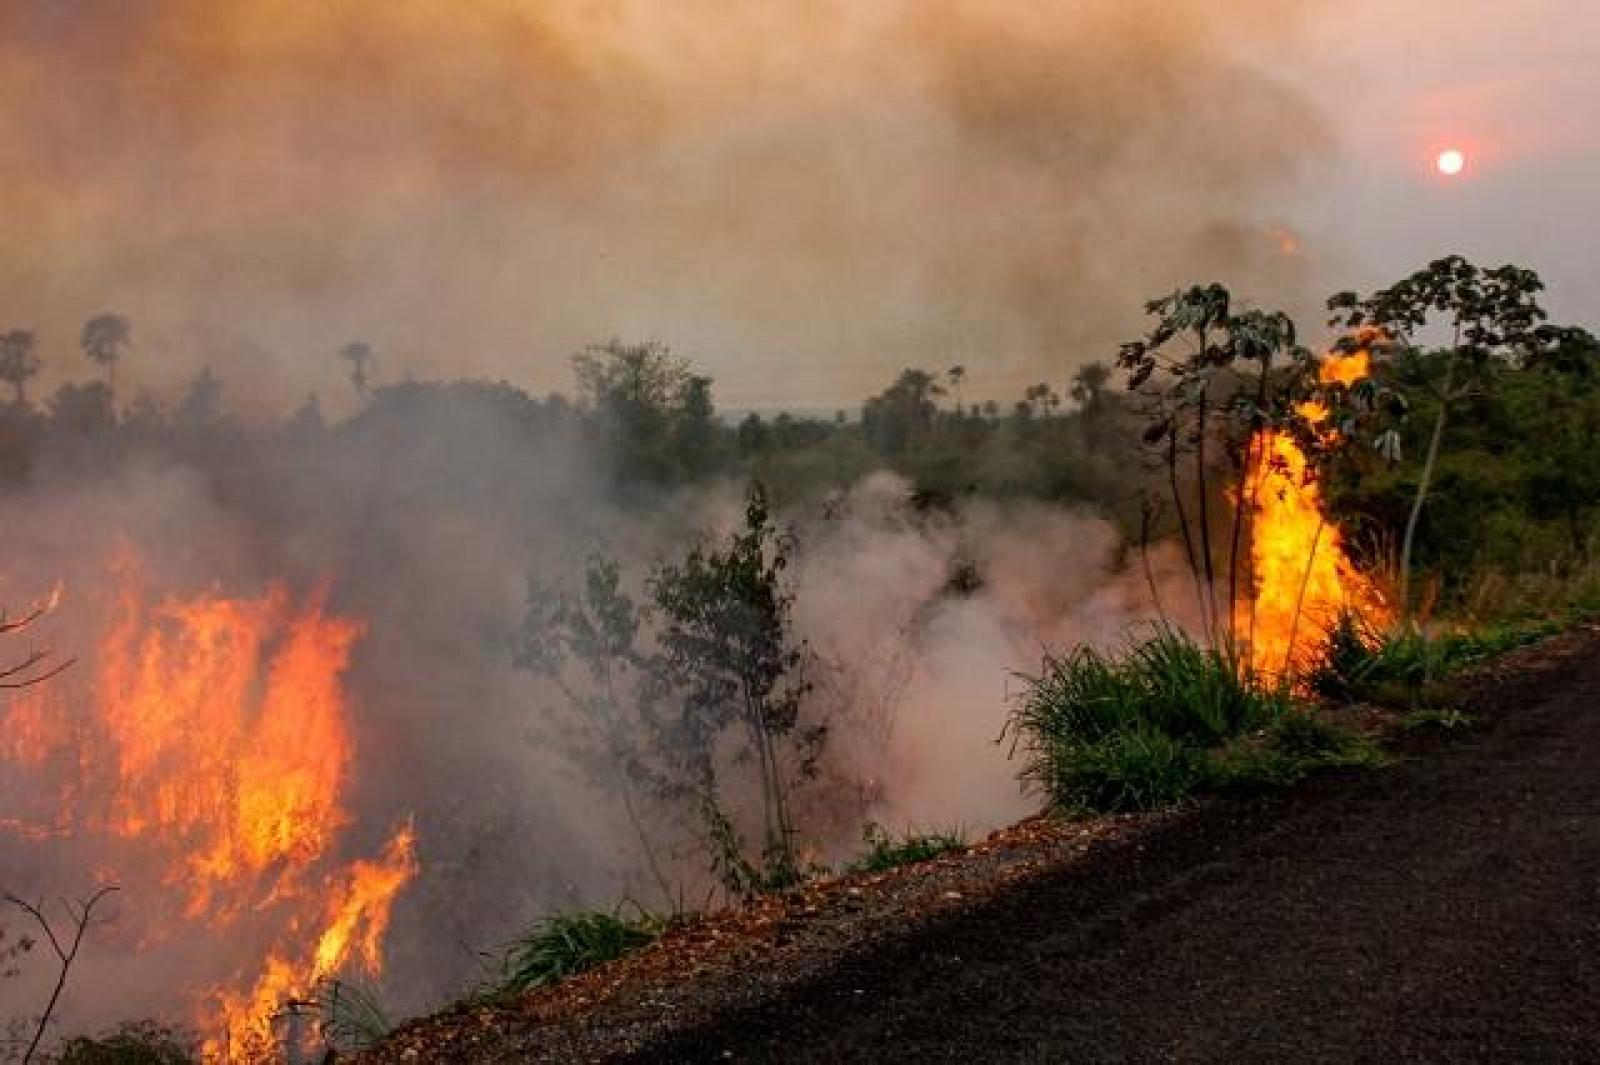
(1286, 752)
(136, 1043)
(1130, 731)
(1359, 663)
(884, 851)
(567, 944)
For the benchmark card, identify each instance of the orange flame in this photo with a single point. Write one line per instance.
(215, 744)
(1303, 577)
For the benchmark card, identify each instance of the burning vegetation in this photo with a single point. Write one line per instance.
(435, 673)
(207, 742)
(1303, 578)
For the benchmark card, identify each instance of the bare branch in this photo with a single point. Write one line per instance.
(82, 919)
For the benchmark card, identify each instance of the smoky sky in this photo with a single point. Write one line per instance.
(801, 197)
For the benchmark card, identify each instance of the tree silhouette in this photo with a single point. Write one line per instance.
(18, 362)
(105, 338)
(359, 355)
(1088, 387)
(1493, 316)
(957, 375)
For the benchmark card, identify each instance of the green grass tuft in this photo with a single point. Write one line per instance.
(1134, 730)
(1411, 670)
(885, 852)
(564, 945)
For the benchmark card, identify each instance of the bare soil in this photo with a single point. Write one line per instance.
(1446, 909)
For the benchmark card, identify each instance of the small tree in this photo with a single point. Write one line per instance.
(360, 356)
(957, 376)
(612, 694)
(105, 338)
(904, 414)
(1491, 315)
(729, 649)
(1088, 392)
(19, 362)
(1225, 379)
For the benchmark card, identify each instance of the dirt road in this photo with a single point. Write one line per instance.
(1447, 910)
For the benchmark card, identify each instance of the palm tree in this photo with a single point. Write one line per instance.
(105, 337)
(358, 354)
(18, 362)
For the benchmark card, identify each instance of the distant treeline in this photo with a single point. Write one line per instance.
(1517, 486)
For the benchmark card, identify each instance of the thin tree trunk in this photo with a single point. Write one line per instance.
(1183, 526)
(625, 782)
(1144, 556)
(1201, 480)
(1300, 599)
(1244, 509)
(644, 838)
(1445, 398)
(1237, 536)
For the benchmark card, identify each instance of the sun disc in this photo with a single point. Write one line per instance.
(1452, 161)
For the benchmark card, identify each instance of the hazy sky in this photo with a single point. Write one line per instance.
(803, 196)
(1515, 85)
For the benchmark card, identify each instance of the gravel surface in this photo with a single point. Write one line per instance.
(1447, 909)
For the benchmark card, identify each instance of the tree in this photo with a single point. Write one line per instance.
(19, 362)
(1492, 316)
(634, 393)
(1037, 397)
(588, 644)
(904, 413)
(694, 427)
(202, 402)
(728, 646)
(1233, 377)
(1087, 391)
(957, 376)
(105, 338)
(360, 356)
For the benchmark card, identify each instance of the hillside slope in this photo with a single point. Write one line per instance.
(1448, 909)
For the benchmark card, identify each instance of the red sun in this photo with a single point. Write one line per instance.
(1452, 162)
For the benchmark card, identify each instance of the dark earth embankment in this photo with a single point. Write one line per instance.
(1447, 909)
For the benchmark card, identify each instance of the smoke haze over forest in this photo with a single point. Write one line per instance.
(833, 190)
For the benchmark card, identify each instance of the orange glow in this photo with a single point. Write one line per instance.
(1303, 579)
(214, 739)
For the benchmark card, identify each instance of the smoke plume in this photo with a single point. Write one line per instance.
(834, 189)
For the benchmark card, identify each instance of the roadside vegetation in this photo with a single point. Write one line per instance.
(885, 851)
(1462, 477)
(1164, 718)
(564, 945)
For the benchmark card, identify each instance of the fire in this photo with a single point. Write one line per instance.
(212, 743)
(1303, 576)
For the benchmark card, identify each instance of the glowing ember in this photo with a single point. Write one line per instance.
(1303, 579)
(213, 746)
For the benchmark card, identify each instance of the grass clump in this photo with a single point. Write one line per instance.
(1145, 727)
(1287, 751)
(1409, 669)
(564, 945)
(885, 851)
